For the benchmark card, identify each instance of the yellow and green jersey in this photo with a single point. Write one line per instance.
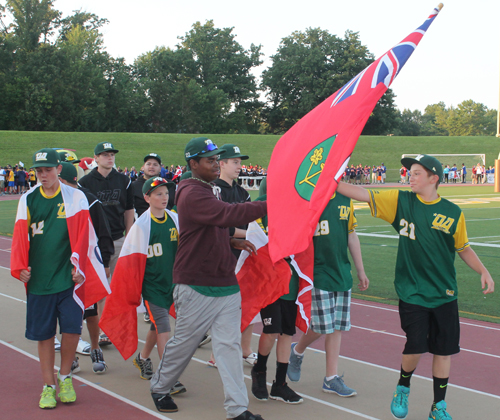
(429, 235)
(50, 248)
(157, 286)
(332, 269)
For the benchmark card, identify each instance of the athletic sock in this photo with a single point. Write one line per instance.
(404, 377)
(63, 377)
(329, 378)
(261, 364)
(281, 369)
(296, 352)
(52, 386)
(440, 387)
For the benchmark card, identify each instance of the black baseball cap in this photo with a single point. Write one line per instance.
(232, 151)
(427, 161)
(153, 156)
(105, 146)
(46, 158)
(68, 172)
(201, 147)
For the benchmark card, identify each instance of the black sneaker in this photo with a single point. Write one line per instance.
(164, 403)
(285, 393)
(247, 415)
(259, 386)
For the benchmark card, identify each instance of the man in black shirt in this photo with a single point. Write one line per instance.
(114, 191)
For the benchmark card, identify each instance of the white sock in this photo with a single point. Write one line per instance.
(142, 358)
(296, 352)
(329, 378)
(63, 377)
(52, 386)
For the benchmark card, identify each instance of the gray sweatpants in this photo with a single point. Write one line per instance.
(196, 314)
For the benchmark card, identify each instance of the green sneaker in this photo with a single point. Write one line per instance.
(399, 404)
(438, 412)
(48, 398)
(66, 391)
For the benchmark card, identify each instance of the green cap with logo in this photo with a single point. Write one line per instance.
(46, 158)
(201, 147)
(68, 172)
(105, 146)
(427, 161)
(232, 151)
(153, 183)
(153, 156)
(67, 156)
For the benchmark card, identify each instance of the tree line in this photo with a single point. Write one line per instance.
(55, 75)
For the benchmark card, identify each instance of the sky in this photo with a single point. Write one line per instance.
(458, 59)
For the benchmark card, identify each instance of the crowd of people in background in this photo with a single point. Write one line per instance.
(16, 180)
(367, 174)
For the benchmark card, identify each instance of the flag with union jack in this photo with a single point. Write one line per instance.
(308, 161)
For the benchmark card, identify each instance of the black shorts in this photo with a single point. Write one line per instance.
(433, 330)
(90, 311)
(279, 317)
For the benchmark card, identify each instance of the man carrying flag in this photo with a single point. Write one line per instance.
(49, 253)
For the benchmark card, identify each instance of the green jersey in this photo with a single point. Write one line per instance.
(332, 269)
(293, 289)
(50, 248)
(429, 235)
(157, 286)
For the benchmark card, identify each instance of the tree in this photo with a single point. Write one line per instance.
(309, 67)
(434, 120)
(410, 123)
(471, 119)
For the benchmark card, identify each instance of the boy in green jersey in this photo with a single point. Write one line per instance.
(50, 278)
(331, 294)
(431, 229)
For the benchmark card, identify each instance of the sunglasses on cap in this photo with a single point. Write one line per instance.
(156, 183)
(210, 147)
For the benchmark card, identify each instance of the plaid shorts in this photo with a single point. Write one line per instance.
(330, 311)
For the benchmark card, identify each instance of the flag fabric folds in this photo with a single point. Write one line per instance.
(85, 255)
(308, 161)
(119, 318)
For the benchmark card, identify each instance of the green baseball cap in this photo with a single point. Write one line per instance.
(153, 156)
(201, 147)
(105, 146)
(153, 183)
(46, 158)
(232, 151)
(67, 156)
(427, 161)
(186, 175)
(68, 172)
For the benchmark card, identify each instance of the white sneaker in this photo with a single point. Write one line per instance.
(83, 347)
(251, 358)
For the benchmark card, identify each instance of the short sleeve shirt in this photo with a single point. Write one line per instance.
(429, 235)
(157, 286)
(50, 248)
(332, 269)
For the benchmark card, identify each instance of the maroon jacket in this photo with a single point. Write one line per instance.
(204, 256)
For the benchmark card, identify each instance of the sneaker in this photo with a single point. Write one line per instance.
(83, 347)
(75, 366)
(66, 391)
(145, 366)
(206, 339)
(259, 386)
(399, 404)
(212, 363)
(57, 344)
(438, 412)
(146, 317)
(285, 393)
(247, 415)
(178, 388)
(98, 364)
(164, 403)
(104, 340)
(337, 386)
(250, 359)
(48, 398)
(294, 365)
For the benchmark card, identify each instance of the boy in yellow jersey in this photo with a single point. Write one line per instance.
(431, 229)
(50, 278)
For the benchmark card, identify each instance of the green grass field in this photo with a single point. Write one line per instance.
(481, 207)
(18, 146)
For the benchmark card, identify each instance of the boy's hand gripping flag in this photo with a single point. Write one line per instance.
(308, 161)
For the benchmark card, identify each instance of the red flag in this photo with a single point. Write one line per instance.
(309, 159)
